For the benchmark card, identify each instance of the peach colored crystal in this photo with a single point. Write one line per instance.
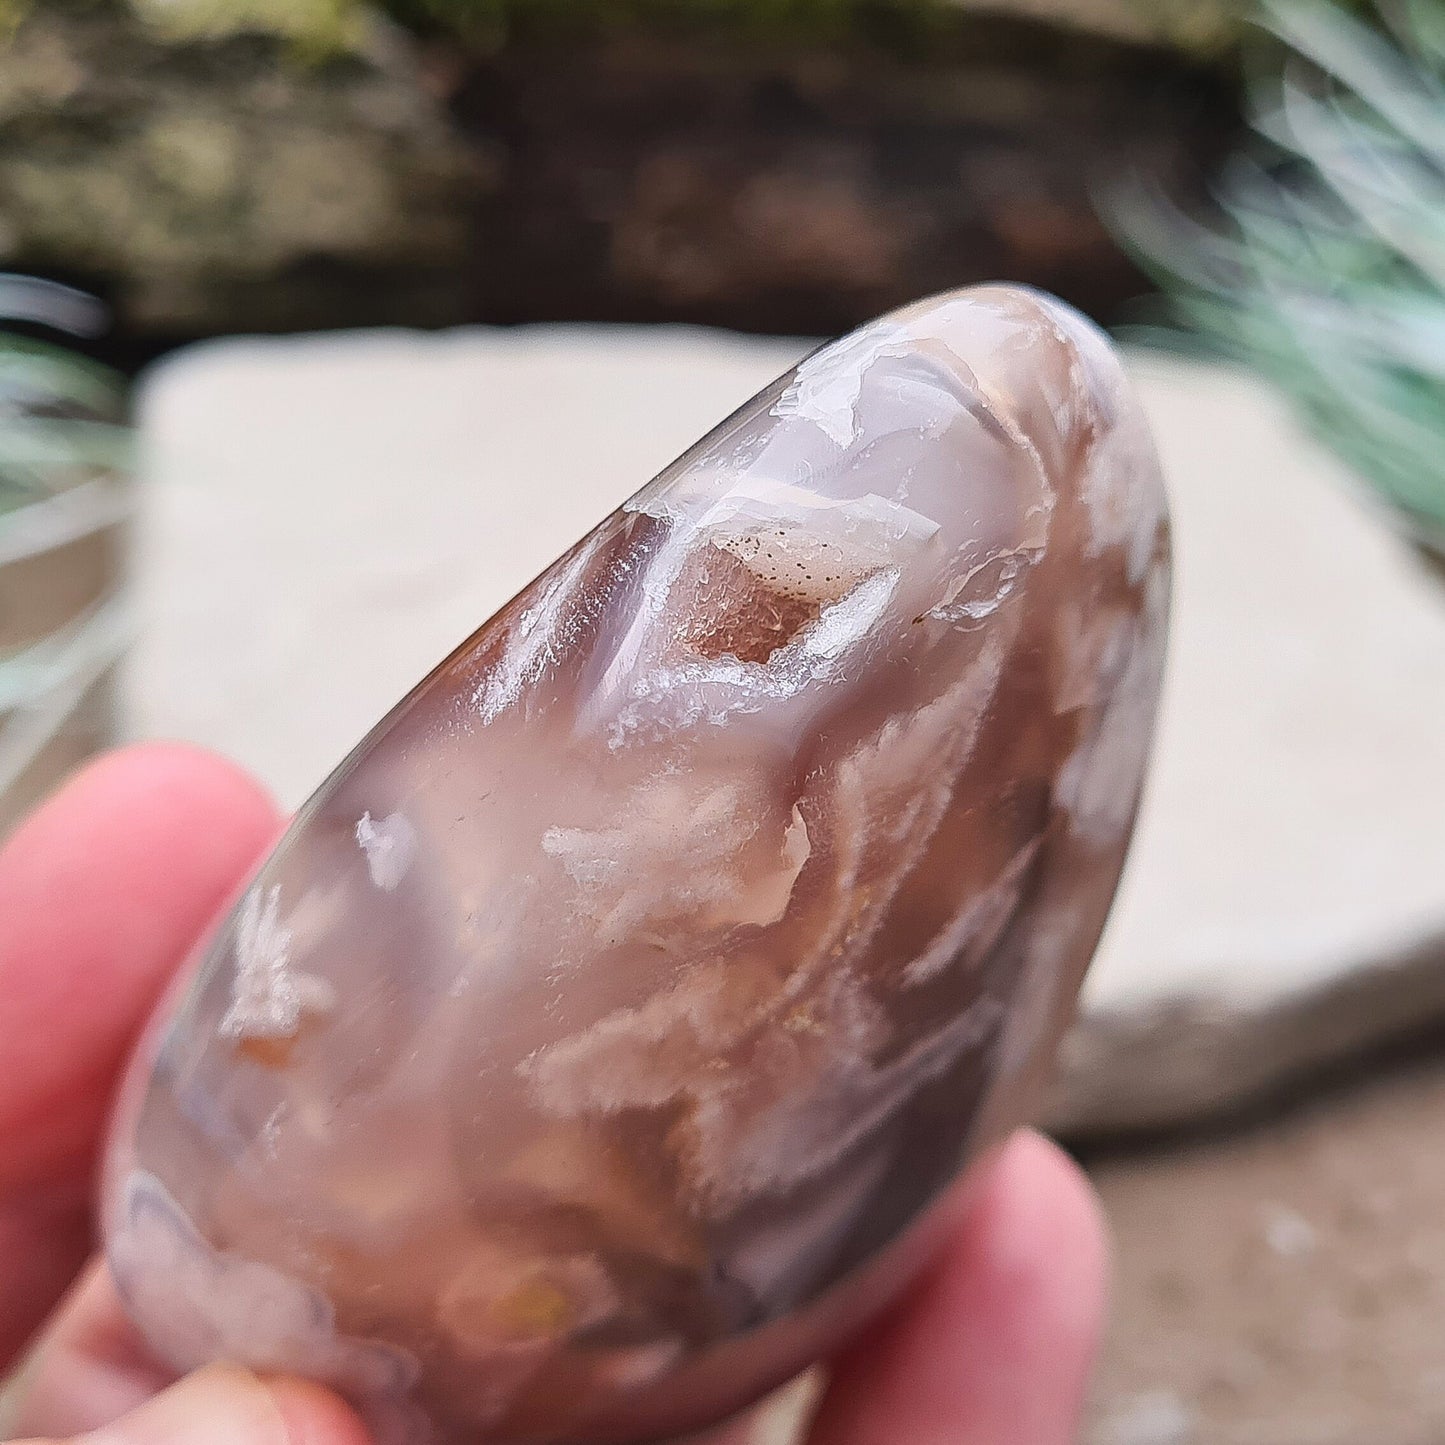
(578, 1064)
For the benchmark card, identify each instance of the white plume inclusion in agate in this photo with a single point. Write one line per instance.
(577, 1067)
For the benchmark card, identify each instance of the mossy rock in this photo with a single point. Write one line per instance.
(1201, 26)
(235, 165)
(208, 184)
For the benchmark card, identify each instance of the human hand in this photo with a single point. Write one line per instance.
(103, 892)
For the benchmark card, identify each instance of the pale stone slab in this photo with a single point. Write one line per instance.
(327, 516)
(1285, 903)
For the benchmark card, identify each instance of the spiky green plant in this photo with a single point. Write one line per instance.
(60, 414)
(62, 445)
(1328, 270)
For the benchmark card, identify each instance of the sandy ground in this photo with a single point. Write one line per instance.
(1284, 1284)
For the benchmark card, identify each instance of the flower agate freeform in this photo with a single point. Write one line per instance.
(576, 1067)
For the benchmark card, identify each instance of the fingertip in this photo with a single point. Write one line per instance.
(1038, 1205)
(103, 892)
(158, 830)
(313, 1415)
(995, 1343)
(142, 780)
(228, 1405)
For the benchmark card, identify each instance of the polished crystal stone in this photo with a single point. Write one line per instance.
(579, 1064)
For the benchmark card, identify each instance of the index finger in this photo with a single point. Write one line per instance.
(103, 892)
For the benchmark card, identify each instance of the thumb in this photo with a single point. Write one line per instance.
(225, 1405)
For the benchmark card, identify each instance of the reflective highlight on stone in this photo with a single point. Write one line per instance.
(578, 1064)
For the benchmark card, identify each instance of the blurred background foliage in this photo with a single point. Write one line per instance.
(209, 166)
(65, 456)
(1325, 266)
(323, 25)
(62, 419)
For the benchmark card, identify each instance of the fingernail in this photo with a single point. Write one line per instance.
(220, 1405)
